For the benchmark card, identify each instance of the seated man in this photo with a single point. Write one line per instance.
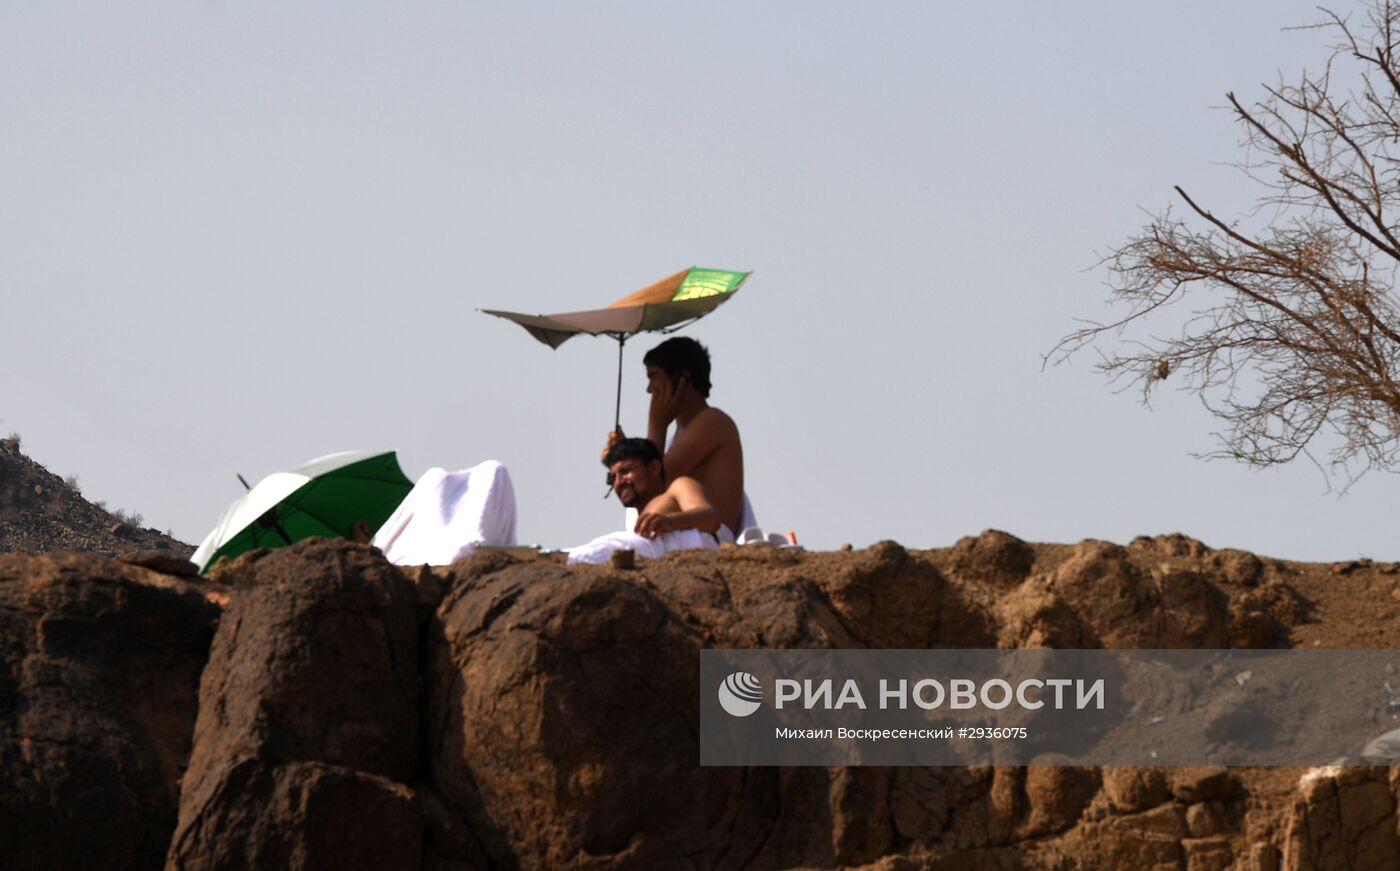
(672, 517)
(706, 445)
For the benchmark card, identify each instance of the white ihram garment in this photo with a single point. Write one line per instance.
(600, 549)
(448, 514)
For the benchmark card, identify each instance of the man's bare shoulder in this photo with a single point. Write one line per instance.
(715, 420)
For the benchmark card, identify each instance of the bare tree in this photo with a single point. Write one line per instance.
(1288, 324)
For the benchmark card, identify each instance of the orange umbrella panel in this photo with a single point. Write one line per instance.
(685, 296)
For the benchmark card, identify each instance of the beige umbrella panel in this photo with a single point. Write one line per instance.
(664, 306)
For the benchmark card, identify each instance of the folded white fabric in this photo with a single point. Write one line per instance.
(600, 549)
(746, 520)
(755, 535)
(447, 514)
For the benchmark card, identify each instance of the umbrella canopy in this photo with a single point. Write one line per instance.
(322, 498)
(662, 307)
(685, 296)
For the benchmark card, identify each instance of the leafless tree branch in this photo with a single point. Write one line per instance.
(1291, 336)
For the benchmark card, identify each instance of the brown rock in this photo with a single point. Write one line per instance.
(1032, 616)
(1133, 789)
(162, 561)
(1342, 818)
(1262, 857)
(1190, 612)
(995, 557)
(563, 705)
(1239, 566)
(624, 559)
(1194, 783)
(99, 667)
(1168, 820)
(1205, 819)
(1177, 545)
(796, 614)
(1208, 854)
(931, 612)
(300, 815)
(311, 692)
(1058, 795)
(1148, 841)
(1107, 591)
(861, 830)
(919, 802)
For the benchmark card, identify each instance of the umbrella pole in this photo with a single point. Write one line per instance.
(617, 409)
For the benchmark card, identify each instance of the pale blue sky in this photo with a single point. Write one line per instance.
(237, 236)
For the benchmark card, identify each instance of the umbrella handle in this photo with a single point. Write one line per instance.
(617, 408)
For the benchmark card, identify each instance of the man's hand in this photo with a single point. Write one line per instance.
(665, 404)
(613, 438)
(651, 524)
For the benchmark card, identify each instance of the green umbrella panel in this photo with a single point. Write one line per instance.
(323, 498)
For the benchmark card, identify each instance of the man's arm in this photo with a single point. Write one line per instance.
(692, 445)
(684, 505)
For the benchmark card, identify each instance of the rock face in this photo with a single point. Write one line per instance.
(515, 713)
(99, 672)
(308, 719)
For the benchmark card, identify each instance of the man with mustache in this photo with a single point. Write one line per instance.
(671, 516)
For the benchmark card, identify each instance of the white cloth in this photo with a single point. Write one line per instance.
(447, 514)
(600, 549)
(746, 518)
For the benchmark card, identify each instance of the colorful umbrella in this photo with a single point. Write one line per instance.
(322, 498)
(665, 306)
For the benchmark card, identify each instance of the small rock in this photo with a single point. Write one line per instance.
(1203, 783)
(38, 489)
(624, 559)
(1204, 820)
(161, 561)
(9, 446)
(847, 547)
(1208, 854)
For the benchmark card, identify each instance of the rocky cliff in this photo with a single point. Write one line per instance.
(315, 707)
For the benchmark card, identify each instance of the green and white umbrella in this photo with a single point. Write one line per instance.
(322, 498)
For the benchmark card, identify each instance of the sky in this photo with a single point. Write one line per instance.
(236, 236)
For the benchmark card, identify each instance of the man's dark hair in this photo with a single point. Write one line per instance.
(632, 449)
(682, 355)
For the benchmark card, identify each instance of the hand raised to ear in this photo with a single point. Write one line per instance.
(665, 402)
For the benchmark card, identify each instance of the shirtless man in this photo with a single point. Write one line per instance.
(640, 482)
(671, 517)
(706, 446)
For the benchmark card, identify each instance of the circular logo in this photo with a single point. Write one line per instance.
(740, 694)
